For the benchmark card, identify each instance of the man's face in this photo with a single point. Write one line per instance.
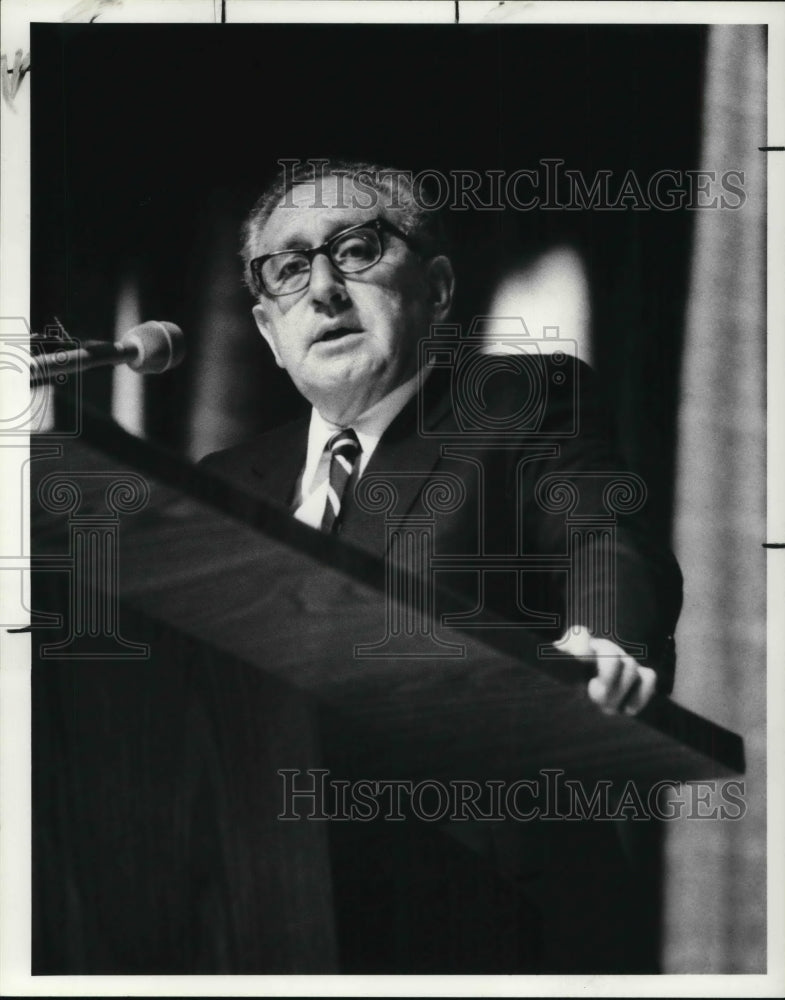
(348, 340)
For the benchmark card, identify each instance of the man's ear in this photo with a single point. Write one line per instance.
(441, 286)
(260, 315)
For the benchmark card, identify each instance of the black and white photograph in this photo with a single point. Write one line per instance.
(392, 529)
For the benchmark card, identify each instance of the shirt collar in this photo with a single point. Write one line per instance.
(369, 427)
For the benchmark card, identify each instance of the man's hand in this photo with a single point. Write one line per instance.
(621, 683)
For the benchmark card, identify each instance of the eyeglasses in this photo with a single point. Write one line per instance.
(350, 251)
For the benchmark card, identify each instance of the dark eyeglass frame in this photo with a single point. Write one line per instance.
(380, 225)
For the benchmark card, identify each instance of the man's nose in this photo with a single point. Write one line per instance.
(326, 283)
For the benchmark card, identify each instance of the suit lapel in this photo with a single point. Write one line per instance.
(408, 451)
(278, 464)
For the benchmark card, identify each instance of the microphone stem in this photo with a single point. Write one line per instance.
(95, 354)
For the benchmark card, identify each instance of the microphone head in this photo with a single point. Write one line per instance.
(157, 346)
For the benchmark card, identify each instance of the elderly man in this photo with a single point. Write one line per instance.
(349, 274)
(350, 277)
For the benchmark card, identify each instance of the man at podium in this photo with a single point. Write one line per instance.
(351, 277)
(353, 287)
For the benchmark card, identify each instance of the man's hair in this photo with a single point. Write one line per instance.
(393, 187)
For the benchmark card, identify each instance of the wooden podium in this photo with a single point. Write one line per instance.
(199, 656)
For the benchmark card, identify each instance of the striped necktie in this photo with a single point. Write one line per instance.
(344, 450)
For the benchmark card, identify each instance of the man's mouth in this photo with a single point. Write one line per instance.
(336, 333)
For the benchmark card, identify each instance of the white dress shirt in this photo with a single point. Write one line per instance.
(311, 493)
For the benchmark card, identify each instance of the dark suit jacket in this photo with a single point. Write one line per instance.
(534, 456)
(523, 453)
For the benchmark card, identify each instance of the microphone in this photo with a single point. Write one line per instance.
(150, 348)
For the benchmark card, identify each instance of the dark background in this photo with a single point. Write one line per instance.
(150, 143)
